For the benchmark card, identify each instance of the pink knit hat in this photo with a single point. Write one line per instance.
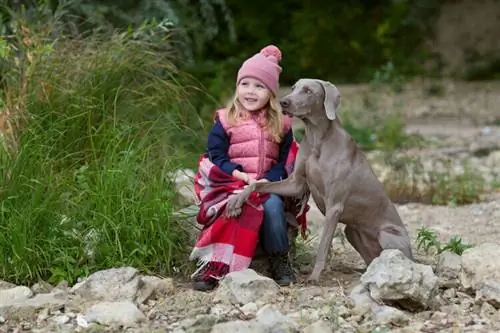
(264, 67)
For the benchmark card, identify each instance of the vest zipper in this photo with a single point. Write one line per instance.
(261, 151)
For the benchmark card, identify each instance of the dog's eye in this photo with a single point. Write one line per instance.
(307, 91)
(293, 88)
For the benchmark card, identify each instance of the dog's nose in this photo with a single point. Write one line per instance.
(284, 103)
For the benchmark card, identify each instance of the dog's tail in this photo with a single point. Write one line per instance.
(395, 237)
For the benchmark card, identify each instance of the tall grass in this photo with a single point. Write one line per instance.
(105, 119)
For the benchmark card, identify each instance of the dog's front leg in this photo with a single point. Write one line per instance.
(292, 186)
(330, 224)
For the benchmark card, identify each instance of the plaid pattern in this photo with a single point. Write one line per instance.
(228, 244)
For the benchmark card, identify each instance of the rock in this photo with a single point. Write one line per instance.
(385, 315)
(42, 287)
(240, 326)
(6, 285)
(489, 291)
(152, 287)
(320, 326)
(114, 284)
(26, 308)
(480, 264)
(246, 286)
(199, 324)
(392, 277)
(363, 302)
(120, 313)
(275, 321)
(184, 183)
(14, 295)
(448, 269)
(61, 320)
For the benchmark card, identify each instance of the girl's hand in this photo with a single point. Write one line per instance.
(242, 176)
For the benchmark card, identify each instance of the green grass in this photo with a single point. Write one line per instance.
(105, 120)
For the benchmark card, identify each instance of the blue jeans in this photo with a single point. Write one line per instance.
(274, 229)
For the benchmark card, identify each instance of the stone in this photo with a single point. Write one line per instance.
(320, 326)
(480, 264)
(114, 284)
(42, 287)
(120, 313)
(275, 321)
(6, 285)
(20, 307)
(240, 326)
(448, 269)
(246, 286)
(392, 277)
(489, 291)
(199, 324)
(152, 287)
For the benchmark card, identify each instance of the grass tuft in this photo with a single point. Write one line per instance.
(105, 120)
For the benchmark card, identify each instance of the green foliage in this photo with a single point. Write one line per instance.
(105, 120)
(427, 240)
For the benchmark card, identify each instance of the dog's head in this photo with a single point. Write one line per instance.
(312, 98)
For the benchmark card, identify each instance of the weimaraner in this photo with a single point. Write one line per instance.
(332, 168)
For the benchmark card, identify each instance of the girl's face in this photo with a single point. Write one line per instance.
(252, 94)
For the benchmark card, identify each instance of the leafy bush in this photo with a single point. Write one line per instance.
(103, 121)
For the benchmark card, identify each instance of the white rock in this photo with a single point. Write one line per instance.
(480, 264)
(489, 291)
(393, 277)
(61, 320)
(320, 326)
(114, 284)
(81, 321)
(240, 326)
(123, 313)
(275, 321)
(246, 286)
(14, 295)
(388, 315)
(250, 308)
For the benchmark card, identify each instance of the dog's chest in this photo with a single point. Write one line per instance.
(315, 179)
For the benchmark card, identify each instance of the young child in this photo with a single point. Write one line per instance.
(250, 140)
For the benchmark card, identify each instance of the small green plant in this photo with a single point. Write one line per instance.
(427, 240)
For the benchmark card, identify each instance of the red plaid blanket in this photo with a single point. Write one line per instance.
(229, 243)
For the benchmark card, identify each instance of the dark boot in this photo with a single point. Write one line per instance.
(204, 280)
(281, 269)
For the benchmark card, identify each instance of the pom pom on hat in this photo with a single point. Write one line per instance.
(272, 51)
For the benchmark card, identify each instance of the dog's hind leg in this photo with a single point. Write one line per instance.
(395, 237)
(365, 242)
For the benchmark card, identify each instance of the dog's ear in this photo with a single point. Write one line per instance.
(332, 99)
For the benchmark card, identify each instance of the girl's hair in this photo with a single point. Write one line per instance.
(274, 118)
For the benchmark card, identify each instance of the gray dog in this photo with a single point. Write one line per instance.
(337, 174)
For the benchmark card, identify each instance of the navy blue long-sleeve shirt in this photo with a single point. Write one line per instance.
(218, 146)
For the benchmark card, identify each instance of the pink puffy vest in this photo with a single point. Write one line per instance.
(250, 144)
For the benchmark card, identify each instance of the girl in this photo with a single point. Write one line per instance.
(250, 141)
